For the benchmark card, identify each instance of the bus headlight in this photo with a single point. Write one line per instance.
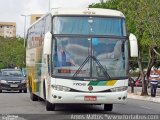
(60, 88)
(3, 81)
(119, 89)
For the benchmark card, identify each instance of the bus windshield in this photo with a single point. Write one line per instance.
(89, 25)
(71, 53)
(93, 47)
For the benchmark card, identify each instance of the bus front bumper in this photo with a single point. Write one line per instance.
(61, 97)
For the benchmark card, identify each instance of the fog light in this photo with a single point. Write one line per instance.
(59, 97)
(119, 98)
(55, 96)
(124, 98)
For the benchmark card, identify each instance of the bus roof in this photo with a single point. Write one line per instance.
(87, 12)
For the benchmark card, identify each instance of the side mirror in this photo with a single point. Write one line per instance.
(47, 43)
(133, 45)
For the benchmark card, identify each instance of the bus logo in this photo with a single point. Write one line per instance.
(90, 88)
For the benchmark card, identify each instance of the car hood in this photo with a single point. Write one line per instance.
(12, 78)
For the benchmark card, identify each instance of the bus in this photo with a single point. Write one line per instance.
(79, 56)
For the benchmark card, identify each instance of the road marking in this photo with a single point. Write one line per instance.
(146, 107)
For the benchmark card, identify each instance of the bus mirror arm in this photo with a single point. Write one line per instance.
(133, 45)
(47, 43)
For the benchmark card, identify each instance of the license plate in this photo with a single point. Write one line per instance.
(14, 85)
(90, 98)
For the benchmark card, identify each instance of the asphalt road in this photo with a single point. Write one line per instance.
(20, 104)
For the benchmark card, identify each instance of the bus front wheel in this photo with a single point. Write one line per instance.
(50, 106)
(108, 107)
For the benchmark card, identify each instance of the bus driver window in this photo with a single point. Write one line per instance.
(62, 58)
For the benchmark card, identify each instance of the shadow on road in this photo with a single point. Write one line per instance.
(4, 92)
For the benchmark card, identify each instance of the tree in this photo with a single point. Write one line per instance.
(142, 19)
(12, 52)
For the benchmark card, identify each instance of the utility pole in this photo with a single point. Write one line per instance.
(25, 16)
(101, 1)
(49, 6)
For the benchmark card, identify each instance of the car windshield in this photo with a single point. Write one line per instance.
(11, 73)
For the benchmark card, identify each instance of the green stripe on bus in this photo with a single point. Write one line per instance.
(102, 83)
(93, 83)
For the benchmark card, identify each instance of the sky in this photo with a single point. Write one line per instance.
(11, 10)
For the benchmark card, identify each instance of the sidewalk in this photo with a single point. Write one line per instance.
(137, 95)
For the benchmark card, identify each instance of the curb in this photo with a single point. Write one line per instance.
(145, 98)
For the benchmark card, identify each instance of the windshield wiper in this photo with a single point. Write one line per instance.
(99, 64)
(80, 67)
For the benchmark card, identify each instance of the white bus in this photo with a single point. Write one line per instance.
(79, 56)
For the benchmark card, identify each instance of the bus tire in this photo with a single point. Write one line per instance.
(108, 107)
(29, 85)
(0, 91)
(44, 90)
(40, 99)
(50, 106)
(33, 97)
